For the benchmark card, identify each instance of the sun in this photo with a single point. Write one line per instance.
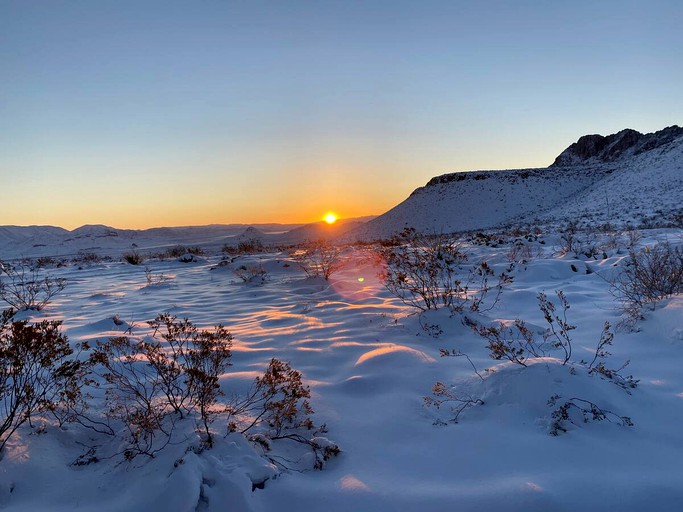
(330, 218)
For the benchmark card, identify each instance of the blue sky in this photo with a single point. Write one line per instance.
(139, 114)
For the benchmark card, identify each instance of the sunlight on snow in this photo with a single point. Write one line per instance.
(351, 483)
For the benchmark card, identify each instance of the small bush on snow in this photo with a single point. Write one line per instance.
(319, 259)
(579, 410)
(251, 273)
(24, 287)
(38, 374)
(151, 386)
(133, 258)
(650, 275)
(518, 344)
(425, 272)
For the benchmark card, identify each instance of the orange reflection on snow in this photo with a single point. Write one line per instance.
(16, 450)
(378, 352)
(351, 483)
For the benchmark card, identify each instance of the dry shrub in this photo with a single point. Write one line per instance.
(652, 274)
(25, 287)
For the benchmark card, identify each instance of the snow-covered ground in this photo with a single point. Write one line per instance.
(370, 361)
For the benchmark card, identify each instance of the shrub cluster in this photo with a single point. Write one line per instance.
(251, 273)
(650, 275)
(517, 343)
(38, 374)
(426, 272)
(151, 385)
(319, 259)
(250, 246)
(133, 257)
(179, 250)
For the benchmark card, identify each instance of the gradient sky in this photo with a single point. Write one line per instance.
(148, 113)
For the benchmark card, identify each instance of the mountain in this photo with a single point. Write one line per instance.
(627, 177)
(33, 241)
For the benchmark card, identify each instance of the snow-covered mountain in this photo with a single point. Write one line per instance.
(624, 177)
(32, 241)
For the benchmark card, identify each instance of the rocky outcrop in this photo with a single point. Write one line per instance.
(611, 148)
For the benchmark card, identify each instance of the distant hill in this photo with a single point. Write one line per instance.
(627, 177)
(32, 241)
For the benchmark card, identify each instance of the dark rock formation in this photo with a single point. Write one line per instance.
(598, 148)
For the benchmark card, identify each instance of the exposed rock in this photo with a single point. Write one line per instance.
(598, 148)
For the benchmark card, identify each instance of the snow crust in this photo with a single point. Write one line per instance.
(370, 361)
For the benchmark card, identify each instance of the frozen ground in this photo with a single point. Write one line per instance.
(370, 361)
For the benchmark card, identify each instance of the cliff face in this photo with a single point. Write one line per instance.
(610, 148)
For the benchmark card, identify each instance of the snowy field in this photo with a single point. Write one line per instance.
(370, 360)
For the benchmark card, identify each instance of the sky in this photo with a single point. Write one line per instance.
(144, 113)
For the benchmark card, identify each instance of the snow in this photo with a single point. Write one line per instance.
(370, 361)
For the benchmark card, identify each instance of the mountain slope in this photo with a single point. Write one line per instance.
(617, 178)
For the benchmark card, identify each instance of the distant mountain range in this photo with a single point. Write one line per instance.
(34, 241)
(627, 178)
(624, 178)
(20, 241)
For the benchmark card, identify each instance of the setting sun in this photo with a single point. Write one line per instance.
(330, 218)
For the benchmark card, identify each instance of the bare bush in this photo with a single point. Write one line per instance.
(557, 333)
(442, 394)
(249, 246)
(26, 287)
(251, 273)
(132, 397)
(89, 258)
(154, 279)
(179, 250)
(150, 386)
(579, 243)
(515, 343)
(319, 259)
(579, 410)
(278, 400)
(133, 257)
(426, 272)
(37, 373)
(276, 409)
(650, 275)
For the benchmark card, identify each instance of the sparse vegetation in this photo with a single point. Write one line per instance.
(153, 278)
(578, 410)
(442, 394)
(319, 259)
(179, 250)
(151, 385)
(517, 344)
(579, 242)
(24, 287)
(650, 275)
(133, 257)
(426, 272)
(250, 246)
(251, 273)
(38, 374)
